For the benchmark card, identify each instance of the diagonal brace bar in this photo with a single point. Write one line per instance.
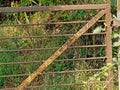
(75, 37)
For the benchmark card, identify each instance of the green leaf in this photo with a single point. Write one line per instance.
(23, 45)
(26, 18)
(82, 14)
(97, 78)
(105, 74)
(74, 15)
(35, 2)
(116, 44)
(15, 40)
(93, 12)
(115, 35)
(114, 59)
(17, 79)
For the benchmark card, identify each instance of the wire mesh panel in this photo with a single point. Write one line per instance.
(30, 35)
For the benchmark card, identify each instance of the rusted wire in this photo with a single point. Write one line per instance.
(62, 60)
(54, 48)
(50, 23)
(46, 36)
(60, 72)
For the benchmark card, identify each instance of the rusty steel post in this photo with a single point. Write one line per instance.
(75, 37)
(109, 46)
(118, 18)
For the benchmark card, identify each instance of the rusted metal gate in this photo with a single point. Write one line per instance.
(70, 40)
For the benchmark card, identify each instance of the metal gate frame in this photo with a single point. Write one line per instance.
(105, 9)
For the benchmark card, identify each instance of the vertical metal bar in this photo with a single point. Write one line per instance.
(118, 18)
(109, 45)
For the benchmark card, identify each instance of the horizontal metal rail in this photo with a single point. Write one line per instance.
(46, 36)
(62, 60)
(61, 72)
(39, 49)
(53, 8)
(49, 23)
